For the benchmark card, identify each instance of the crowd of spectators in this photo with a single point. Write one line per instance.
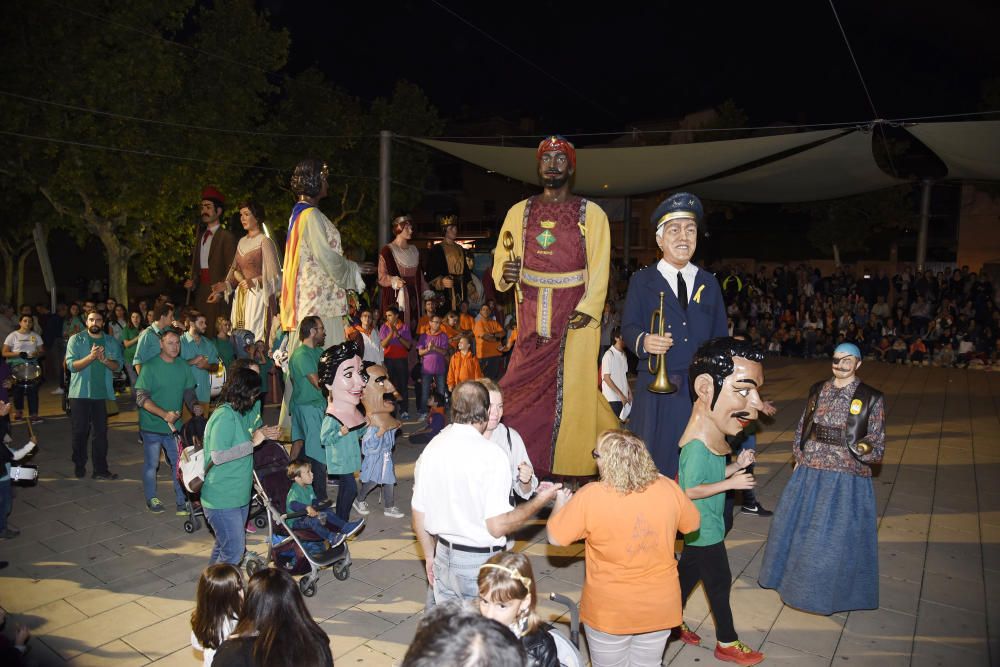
(945, 318)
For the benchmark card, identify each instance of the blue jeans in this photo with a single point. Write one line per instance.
(152, 444)
(6, 501)
(425, 388)
(456, 574)
(229, 526)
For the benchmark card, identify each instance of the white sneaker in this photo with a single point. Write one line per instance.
(393, 512)
(58, 391)
(361, 507)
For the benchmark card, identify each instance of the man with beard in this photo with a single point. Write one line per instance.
(307, 402)
(447, 270)
(693, 312)
(92, 359)
(562, 252)
(202, 355)
(725, 377)
(211, 256)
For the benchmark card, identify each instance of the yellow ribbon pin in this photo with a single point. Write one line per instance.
(856, 406)
(697, 295)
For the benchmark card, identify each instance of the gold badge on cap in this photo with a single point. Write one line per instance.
(856, 406)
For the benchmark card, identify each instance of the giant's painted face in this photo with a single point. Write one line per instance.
(738, 402)
(348, 382)
(379, 394)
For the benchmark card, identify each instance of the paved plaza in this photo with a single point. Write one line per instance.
(102, 581)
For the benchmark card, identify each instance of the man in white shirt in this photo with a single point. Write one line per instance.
(461, 509)
(614, 374)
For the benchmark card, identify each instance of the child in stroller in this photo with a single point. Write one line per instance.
(302, 500)
(296, 550)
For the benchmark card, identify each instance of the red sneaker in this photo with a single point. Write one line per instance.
(739, 653)
(686, 635)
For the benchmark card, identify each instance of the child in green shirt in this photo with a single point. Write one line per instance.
(301, 499)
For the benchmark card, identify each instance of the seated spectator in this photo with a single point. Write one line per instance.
(882, 349)
(897, 353)
(918, 351)
(436, 420)
(275, 627)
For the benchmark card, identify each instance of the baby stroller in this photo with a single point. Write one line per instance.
(191, 435)
(298, 551)
(568, 650)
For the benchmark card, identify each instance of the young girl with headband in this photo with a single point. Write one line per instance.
(507, 595)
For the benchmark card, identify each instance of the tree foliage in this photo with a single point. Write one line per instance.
(196, 94)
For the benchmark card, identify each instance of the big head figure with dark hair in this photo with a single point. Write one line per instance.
(342, 381)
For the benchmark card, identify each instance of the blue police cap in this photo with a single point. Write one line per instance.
(678, 205)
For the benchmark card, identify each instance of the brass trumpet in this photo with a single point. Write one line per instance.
(661, 384)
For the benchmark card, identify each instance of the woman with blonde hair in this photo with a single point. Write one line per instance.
(629, 521)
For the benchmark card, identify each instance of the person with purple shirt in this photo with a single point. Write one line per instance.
(433, 350)
(396, 344)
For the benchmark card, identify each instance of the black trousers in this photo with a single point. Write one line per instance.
(710, 565)
(89, 416)
(319, 476)
(399, 375)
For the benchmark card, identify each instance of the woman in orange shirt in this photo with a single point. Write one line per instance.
(629, 521)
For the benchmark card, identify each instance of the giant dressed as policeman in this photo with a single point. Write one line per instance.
(693, 312)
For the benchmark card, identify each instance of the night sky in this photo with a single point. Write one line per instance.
(620, 63)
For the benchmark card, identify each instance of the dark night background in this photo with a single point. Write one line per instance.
(635, 61)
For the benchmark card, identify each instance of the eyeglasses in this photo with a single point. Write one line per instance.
(596, 454)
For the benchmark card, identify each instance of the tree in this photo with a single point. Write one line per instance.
(132, 184)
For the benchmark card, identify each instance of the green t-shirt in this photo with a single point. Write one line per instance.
(95, 380)
(128, 333)
(227, 485)
(300, 494)
(148, 345)
(700, 466)
(202, 378)
(165, 383)
(304, 362)
(224, 348)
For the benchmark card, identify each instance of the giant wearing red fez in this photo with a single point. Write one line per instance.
(551, 387)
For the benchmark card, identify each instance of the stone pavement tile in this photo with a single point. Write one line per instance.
(23, 594)
(333, 596)
(946, 519)
(364, 656)
(920, 502)
(185, 657)
(898, 519)
(954, 553)
(398, 602)
(96, 631)
(394, 641)
(20, 550)
(49, 617)
(57, 564)
(388, 571)
(809, 633)
(902, 560)
(113, 654)
(135, 562)
(878, 636)
(948, 625)
(898, 594)
(183, 570)
(169, 602)
(961, 592)
(161, 639)
(41, 529)
(41, 655)
(90, 535)
(568, 570)
(352, 628)
(991, 546)
(776, 654)
(964, 502)
(129, 589)
(741, 545)
(927, 653)
(151, 536)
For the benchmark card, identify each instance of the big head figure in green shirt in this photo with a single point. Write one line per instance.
(725, 377)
